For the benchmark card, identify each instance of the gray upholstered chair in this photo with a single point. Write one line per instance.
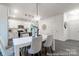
(36, 45)
(48, 44)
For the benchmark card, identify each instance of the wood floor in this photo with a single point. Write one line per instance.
(63, 48)
(67, 48)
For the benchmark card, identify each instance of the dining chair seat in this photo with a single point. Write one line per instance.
(31, 51)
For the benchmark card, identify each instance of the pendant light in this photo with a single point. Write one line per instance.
(37, 17)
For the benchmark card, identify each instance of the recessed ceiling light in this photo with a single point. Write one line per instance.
(16, 11)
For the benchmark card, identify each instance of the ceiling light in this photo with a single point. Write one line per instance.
(16, 11)
(37, 17)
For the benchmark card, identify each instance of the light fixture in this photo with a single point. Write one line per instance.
(16, 11)
(37, 17)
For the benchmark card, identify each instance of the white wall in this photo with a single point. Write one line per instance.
(73, 32)
(72, 20)
(54, 26)
(4, 24)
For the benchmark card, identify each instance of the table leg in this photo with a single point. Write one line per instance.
(16, 51)
(53, 48)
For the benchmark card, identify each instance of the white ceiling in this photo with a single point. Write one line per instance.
(45, 9)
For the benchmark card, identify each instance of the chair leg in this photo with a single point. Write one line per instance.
(38, 53)
(46, 49)
(27, 52)
(43, 51)
(51, 49)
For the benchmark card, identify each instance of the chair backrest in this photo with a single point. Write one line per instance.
(49, 41)
(36, 44)
(15, 33)
(44, 36)
(2, 48)
(24, 35)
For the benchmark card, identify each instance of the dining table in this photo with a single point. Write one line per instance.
(22, 42)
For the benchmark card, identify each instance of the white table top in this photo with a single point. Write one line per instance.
(19, 41)
(23, 40)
